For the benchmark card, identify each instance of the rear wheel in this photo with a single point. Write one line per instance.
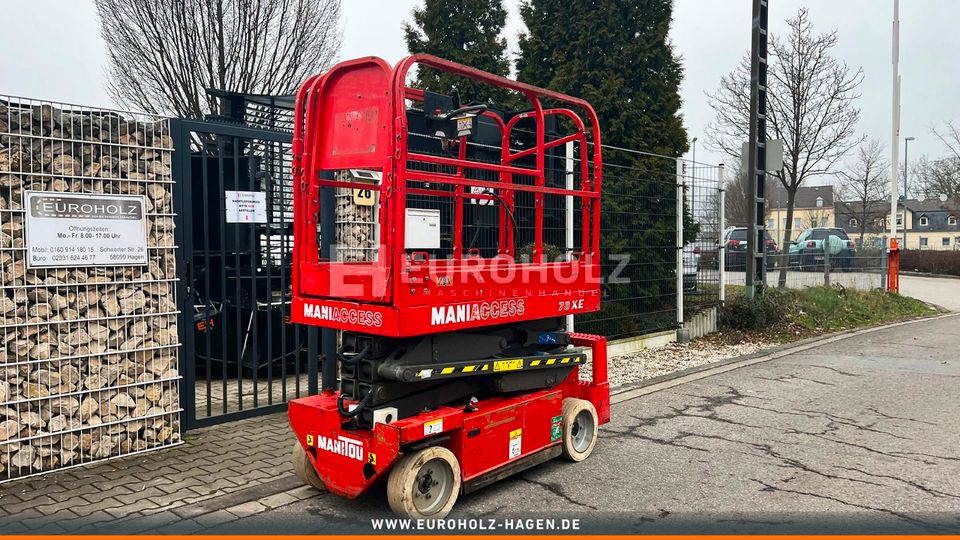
(304, 469)
(579, 429)
(424, 484)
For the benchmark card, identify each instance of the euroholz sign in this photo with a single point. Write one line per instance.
(78, 229)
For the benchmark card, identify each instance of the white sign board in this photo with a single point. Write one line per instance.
(422, 229)
(75, 229)
(246, 206)
(774, 156)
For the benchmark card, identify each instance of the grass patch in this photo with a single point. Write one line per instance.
(783, 315)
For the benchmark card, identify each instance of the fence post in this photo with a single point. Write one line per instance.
(721, 245)
(680, 195)
(183, 237)
(883, 266)
(826, 261)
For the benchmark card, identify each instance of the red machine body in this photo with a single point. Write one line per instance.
(489, 413)
(355, 117)
(503, 430)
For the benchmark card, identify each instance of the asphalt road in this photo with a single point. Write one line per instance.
(859, 434)
(941, 291)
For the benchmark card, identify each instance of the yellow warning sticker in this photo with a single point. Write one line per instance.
(516, 442)
(508, 365)
(432, 427)
(447, 370)
(309, 440)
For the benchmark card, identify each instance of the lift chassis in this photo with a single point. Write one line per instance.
(425, 231)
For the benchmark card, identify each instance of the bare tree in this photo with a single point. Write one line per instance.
(865, 186)
(736, 204)
(942, 176)
(163, 54)
(811, 107)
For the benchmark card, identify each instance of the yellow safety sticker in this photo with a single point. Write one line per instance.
(468, 369)
(371, 458)
(508, 365)
(565, 361)
(447, 370)
(551, 361)
(432, 427)
(534, 363)
(516, 443)
(309, 440)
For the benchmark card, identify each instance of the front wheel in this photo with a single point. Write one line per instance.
(424, 484)
(304, 469)
(579, 429)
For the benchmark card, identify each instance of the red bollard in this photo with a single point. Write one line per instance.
(893, 267)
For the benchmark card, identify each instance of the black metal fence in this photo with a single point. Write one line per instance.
(241, 355)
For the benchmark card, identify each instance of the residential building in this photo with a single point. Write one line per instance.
(922, 224)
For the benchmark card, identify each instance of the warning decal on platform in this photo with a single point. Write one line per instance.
(433, 427)
(515, 443)
(556, 428)
(508, 365)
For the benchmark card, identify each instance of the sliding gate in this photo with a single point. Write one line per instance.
(241, 356)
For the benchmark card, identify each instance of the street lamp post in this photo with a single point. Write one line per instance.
(694, 156)
(906, 146)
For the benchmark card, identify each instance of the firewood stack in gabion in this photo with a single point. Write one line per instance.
(355, 239)
(88, 364)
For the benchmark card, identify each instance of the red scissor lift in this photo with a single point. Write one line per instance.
(455, 369)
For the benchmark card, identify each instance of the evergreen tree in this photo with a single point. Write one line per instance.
(466, 31)
(616, 55)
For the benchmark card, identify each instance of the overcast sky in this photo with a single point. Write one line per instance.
(52, 50)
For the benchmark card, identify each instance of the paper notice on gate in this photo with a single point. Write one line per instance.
(246, 206)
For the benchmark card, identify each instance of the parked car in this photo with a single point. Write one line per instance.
(691, 267)
(735, 239)
(706, 252)
(807, 252)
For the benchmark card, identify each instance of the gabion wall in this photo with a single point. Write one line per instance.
(88, 354)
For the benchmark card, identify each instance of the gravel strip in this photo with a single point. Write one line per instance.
(649, 363)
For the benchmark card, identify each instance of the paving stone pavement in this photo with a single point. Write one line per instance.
(219, 474)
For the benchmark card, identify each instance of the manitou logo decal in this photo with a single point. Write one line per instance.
(344, 446)
(478, 311)
(362, 317)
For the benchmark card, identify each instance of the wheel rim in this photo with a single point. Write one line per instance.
(582, 432)
(433, 486)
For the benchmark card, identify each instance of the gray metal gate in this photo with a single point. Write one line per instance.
(241, 356)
